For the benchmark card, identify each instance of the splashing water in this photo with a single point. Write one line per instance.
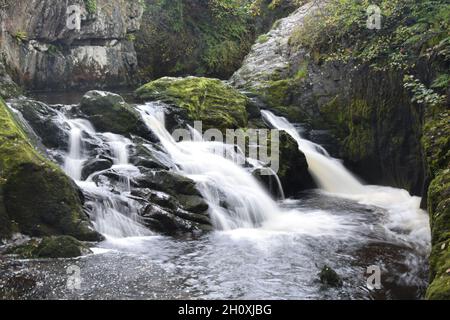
(235, 197)
(331, 175)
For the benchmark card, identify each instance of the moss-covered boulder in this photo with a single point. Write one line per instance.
(34, 193)
(51, 247)
(109, 112)
(211, 101)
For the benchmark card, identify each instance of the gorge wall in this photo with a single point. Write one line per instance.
(383, 95)
(41, 52)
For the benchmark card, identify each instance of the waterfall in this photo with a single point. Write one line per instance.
(235, 197)
(114, 215)
(329, 173)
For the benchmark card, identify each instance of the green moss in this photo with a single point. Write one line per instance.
(276, 93)
(35, 192)
(263, 38)
(211, 101)
(50, 247)
(435, 142)
(353, 125)
(91, 6)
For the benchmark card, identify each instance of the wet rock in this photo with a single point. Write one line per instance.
(51, 247)
(95, 165)
(109, 112)
(36, 194)
(329, 277)
(175, 222)
(168, 182)
(44, 121)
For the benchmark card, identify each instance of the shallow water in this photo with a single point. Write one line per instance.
(259, 263)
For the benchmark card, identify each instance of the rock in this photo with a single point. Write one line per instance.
(168, 182)
(95, 165)
(201, 37)
(293, 173)
(44, 53)
(329, 277)
(51, 247)
(109, 112)
(43, 201)
(211, 101)
(8, 88)
(44, 121)
(176, 222)
(36, 194)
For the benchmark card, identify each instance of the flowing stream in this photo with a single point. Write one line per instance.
(262, 248)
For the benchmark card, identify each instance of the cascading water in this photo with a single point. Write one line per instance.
(113, 214)
(331, 175)
(235, 198)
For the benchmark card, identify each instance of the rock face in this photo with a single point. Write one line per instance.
(391, 130)
(44, 50)
(35, 194)
(436, 142)
(369, 112)
(8, 88)
(202, 37)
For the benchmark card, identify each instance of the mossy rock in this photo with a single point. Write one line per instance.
(51, 247)
(439, 209)
(35, 193)
(211, 101)
(109, 112)
(329, 277)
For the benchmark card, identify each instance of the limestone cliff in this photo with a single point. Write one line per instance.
(43, 48)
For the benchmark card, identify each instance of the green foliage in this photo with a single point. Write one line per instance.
(409, 29)
(421, 94)
(91, 6)
(21, 36)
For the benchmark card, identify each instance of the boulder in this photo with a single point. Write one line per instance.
(51, 247)
(95, 165)
(211, 101)
(36, 194)
(109, 112)
(44, 121)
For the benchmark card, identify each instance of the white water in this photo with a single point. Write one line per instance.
(113, 214)
(220, 180)
(331, 176)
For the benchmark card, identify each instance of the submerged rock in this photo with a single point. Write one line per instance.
(211, 101)
(35, 193)
(109, 112)
(329, 277)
